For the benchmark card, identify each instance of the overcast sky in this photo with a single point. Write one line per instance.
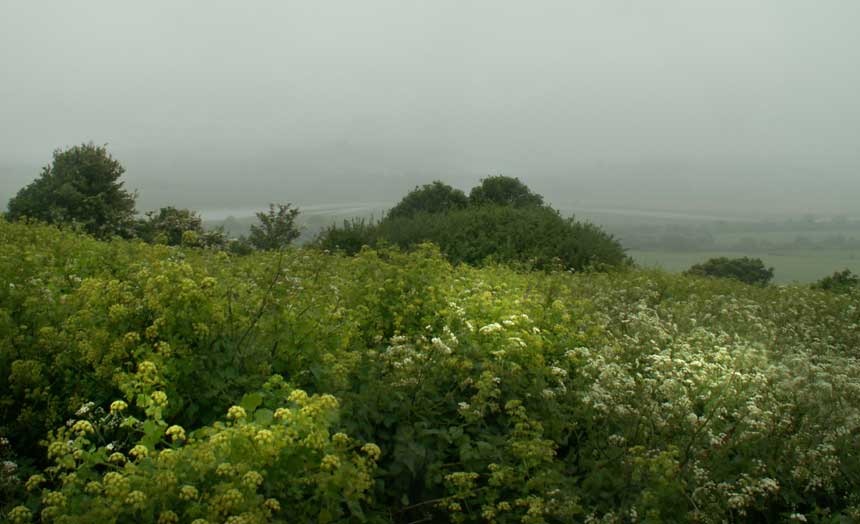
(729, 106)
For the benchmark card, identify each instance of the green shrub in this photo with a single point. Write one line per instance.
(436, 197)
(503, 191)
(839, 282)
(349, 238)
(746, 269)
(537, 236)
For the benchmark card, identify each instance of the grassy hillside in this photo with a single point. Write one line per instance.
(144, 383)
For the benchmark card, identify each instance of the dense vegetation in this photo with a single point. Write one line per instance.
(81, 187)
(150, 383)
(501, 220)
(745, 269)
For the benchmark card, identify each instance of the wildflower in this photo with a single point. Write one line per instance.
(341, 439)
(273, 505)
(116, 457)
(264, 437)
(115, 484)
(252, 479)
(147, 368)
(236, 413)
(83, 427)
(34, 482)
(330, 463)
(139, 452)
(298, 396)
(187, 492)
(328, 401)
(168, 517)
(282, 414)
(175, 433)
(93, 487)
(136, 499)
(19, 515)
(490, 328)
(224, 470)
(54, 498)
(86, 408)
(372, 451)
(159, 398)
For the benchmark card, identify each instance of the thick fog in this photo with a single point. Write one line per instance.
(721, 106)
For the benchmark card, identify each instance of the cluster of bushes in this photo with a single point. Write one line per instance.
(753, 271)
(745, 269)
(501, 220)
(81, 188)
(141, 383)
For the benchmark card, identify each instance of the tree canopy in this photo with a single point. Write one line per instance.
(276, 229)
(435, 197)
(81, 186)
(745, 269)
(174, 226)
(504, 191)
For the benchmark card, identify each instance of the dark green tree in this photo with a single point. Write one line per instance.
(436, 197)
(80, 187)
(537, 236)
(350, 238)
(173, 226)
(745, 269)
(504, 191)
(839, 282)
(276, 229)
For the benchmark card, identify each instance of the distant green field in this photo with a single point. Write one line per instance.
(790, 266)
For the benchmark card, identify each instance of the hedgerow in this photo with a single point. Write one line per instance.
(149, 383)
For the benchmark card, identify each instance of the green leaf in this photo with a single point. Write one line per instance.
(263, 416)
(251, 401)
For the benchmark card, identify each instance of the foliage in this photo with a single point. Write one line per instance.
(350, 238)
(746, 269)
(502, 221)
(504, 191)
(81, 187)
(276, 229)
(436, 197)
(536, 236)
(394, 387)
(175, 227)
(839, 282)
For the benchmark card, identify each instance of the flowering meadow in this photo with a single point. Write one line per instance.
(147, 383)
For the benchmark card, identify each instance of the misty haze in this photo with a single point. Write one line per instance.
(399, 262)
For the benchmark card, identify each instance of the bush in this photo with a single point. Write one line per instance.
(839, 282)
(745, 269)
(503, 191)
(537, 236)
(436, 197)
(175, 227)
(348, 239)
(276, 229)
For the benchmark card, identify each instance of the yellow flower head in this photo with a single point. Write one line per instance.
(236, 413)
(372, 451)
(175, 433)
(139, 452)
